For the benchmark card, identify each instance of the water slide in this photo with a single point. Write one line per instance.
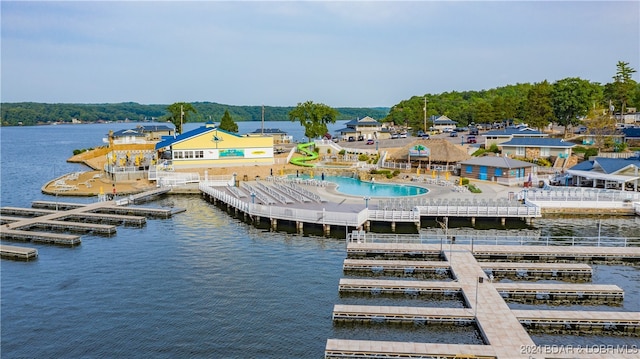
(309, 155)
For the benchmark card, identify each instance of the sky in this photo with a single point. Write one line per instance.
(281, 53)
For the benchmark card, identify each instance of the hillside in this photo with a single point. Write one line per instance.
(32, 113)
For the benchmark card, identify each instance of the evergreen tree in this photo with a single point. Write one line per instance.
(227, 123)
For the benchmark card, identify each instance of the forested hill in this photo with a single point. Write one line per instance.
(32, 113)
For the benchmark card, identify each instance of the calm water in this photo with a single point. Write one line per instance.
(199, 285)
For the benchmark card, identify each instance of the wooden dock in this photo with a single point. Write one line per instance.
(422, 269)
(504, 331)
(498, 253)
(20, 253)
(98, 218)
(535, 271)
(39, 237)
(398, 287)
(440, 269)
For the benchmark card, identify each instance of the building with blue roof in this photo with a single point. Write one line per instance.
(536, 147)
(612, 173)
(507, 134)
(208, 146)
(363, 129)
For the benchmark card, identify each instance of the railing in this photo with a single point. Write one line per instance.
(392, 215)
(480, 211)
(174, 179)
(579, 194)
(477, 239)
(286, 213)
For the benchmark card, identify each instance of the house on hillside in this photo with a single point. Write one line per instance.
(632, 136)
(209, 146)
(364, 129)
(503, 170)
(600, 172)
(507, 134)
(444, 124)
(536, 147)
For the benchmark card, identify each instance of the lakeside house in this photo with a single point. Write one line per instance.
(501, 169)
(536, 147)
(364, 129)
(142, 134)
(208, 146)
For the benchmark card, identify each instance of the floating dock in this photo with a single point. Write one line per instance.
(498, 253)
(504, 331)
(423, 269)
(406, 315)
(535, 271)
(398, 287)
(39, 237)
(20, 253)
(98, 218)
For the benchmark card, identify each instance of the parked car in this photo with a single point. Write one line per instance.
(471, 139)
(352, 139)
(360, 138)
(425, 136)
(580, 130)
(453, 134)
(395, 135)
(403, 135)
(370, 141)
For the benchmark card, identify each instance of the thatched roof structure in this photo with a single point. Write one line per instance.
(441, 151)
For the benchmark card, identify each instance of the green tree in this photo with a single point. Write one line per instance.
(227, 123)
(539, 107)
(621, 90)
(601, 124)
(314, 117)
(572, 98)
(179, 114)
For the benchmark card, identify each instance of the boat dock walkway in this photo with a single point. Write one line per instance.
(497, 253)
(98, 218)
(504, 331)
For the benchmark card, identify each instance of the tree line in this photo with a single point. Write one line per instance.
(32, 113)
(565, 102)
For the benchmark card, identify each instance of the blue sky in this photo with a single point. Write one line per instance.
(340, 53)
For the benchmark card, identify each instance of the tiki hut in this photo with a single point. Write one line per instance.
(440, 151)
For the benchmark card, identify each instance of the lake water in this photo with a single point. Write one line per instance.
(201, 284)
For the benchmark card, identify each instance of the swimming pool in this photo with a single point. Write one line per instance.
(355, 187)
